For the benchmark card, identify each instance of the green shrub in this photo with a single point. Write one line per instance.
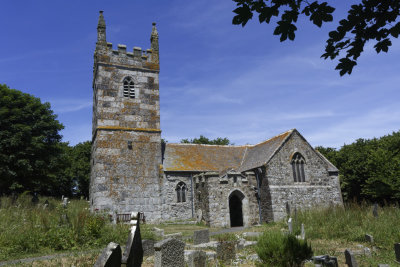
(285, 250)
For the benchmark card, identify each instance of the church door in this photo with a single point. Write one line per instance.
(235, 210)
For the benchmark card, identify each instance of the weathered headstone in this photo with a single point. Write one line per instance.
(226, 250)
(303, 232)
(375, 210)
(133, 253)
(201, 236)
(197, 258)
(111, 256)
(369, 238)
(326, 261)
(65, 202)
(290, 226)
(169, 253)
(397, 251)
(350, 259)
(148, 247)
(287, 209)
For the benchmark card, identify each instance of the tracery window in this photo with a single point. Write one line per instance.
(129, 87)
(181, 192)
(298, 163)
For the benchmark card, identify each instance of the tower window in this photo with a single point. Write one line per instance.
(129, 88)
(181, 192)
(298, 163)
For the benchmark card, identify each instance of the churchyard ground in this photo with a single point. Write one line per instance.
(32, 230)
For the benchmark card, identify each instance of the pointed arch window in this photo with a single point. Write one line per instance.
(129, 88)
(298, 163)
(181, 192)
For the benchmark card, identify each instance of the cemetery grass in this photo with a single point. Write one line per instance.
(334, 229)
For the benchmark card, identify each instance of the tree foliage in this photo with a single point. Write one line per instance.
(371, 20)
(29, 142)
(204, 140)
(369, 169)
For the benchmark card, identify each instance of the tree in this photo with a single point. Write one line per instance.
(368, 169)
(204, 140)
(371, 20)
(80, 167)
(29, 142)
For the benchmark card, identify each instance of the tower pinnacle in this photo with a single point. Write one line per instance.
(154, 45)
(101, 30)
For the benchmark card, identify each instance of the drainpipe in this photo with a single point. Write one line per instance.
(258, 178)
(191, 197)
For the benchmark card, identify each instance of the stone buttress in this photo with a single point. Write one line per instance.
(126, 148)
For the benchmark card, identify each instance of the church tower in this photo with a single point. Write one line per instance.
(126, 135)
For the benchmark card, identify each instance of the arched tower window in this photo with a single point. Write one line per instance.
(181, 192)
(129, 87)
(298, 163)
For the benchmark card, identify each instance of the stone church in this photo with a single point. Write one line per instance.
(132, 170)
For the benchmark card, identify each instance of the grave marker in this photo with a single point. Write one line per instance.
(201, 236)
(169, 253)
(290, 226)
(397, 251)
(375, 210)
(197, 258)
(303, 232)
(110, 257)
(369, 238)
(350, 259)
(133, 253)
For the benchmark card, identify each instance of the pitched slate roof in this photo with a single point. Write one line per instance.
(193, 157)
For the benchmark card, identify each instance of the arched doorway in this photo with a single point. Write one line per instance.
(236, 208)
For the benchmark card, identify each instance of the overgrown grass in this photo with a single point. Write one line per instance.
(333, 229)
(27, 229)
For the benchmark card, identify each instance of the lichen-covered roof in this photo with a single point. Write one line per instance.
(258, 155)
(194, 157)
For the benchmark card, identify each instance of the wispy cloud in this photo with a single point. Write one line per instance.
(70, 105)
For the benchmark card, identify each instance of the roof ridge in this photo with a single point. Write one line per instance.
(265, 141)
(191, 144)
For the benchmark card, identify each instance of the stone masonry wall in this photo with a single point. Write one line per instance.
(215, 206)
(319, 189)
(124, 179)
(171, 208)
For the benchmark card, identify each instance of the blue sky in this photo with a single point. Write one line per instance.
(216, 79)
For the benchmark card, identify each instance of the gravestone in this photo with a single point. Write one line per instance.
(169, 253)
(287, 208)
(35, 199)
(303, 232)
(201, 236)
(325, 260)
(133, 253)
(290, 226)
(226, 250)
(197, 258)
(350, 259)
(111, 256)
(148, 247)
(46, 204)
(65, 202)
(383, 265)
(369, 238)
(375, 210)
(397, 251)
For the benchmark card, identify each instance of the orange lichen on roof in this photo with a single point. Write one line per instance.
(194, 157)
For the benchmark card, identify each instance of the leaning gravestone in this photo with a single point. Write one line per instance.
(169, 253)
(111, 256)
(133, 253)
(201, 236)
(197, 258)
(350, 259)
(397, 251)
